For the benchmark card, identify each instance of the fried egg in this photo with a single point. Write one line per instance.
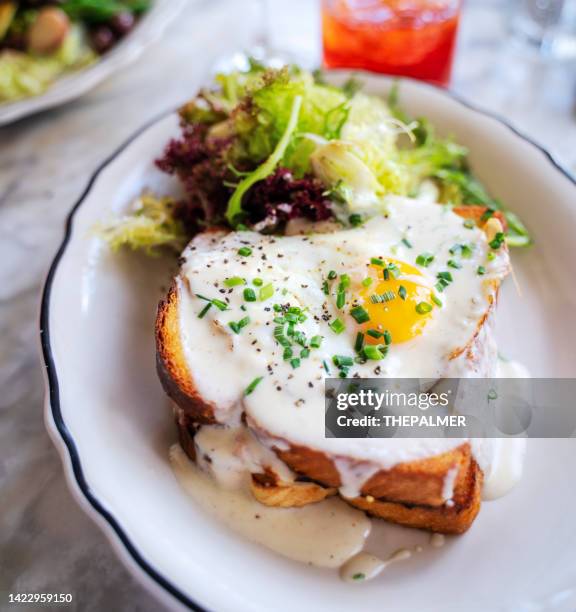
(264, 319)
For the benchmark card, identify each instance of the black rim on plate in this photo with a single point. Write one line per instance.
(53, 386)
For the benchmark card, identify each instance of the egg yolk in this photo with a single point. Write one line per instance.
(400, 313)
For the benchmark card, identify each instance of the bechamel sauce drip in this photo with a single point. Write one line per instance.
(506, 468)
(507, 455)
(365, 566)
(325, 534)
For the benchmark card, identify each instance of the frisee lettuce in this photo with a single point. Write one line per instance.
(268, 145)
(234, 211)
(150, 226)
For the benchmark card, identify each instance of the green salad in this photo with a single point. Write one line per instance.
(43, 39)
(265, 147)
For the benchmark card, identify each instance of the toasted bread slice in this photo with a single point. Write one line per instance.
(270, 491)
(452, 517)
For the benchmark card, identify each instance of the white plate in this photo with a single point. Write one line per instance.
(108, 415)
(67, 88)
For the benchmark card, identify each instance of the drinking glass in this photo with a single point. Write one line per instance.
(414, 38)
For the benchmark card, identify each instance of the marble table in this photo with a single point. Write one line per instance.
(46, 542)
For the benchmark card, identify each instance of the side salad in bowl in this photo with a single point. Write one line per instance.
(41, 40)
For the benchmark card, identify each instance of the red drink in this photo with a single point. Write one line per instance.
(414, 38)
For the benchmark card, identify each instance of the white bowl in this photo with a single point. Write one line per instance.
(76, 84)
(108, 415)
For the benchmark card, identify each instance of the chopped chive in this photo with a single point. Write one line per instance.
(406, 243)
(304, 353)
(237, 327)
(258, 282)
(300, 338)
(204, 310)
(359, 314)
(497, 241)
(436, 300)
(325, 288)
(491, 256)
(342, 361)
(463, 250)
(234, 281)
(253, 385)
(402, 292)
(340, 299)
(367, 281)
(326, 366)
(277, 307)
(266, 292)
(425, 259)
(487, 214)
(359, 576)
(280, 337)
(441, 285)
(295, 363)
(243, 307)
(358, 345)
(332, 275)
(244, 251)
(379, 298)
(291, 317)
(220, 304)
(337, 326)
(287, 354)
(469, 223)
(344, 282)
(387, 337)
(376, 261)
(445, 276)
(373, 353)
(374, 333)
(423, 308)
(315, 341)
(481, 270)
(391, 269)
(454, 264)
(355, 220)
(249, 294)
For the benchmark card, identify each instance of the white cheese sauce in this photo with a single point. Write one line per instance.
(365, 566)
(288, 402)
(325, 534)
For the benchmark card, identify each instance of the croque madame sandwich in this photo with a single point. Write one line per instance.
(254, 323)
(328, 235)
